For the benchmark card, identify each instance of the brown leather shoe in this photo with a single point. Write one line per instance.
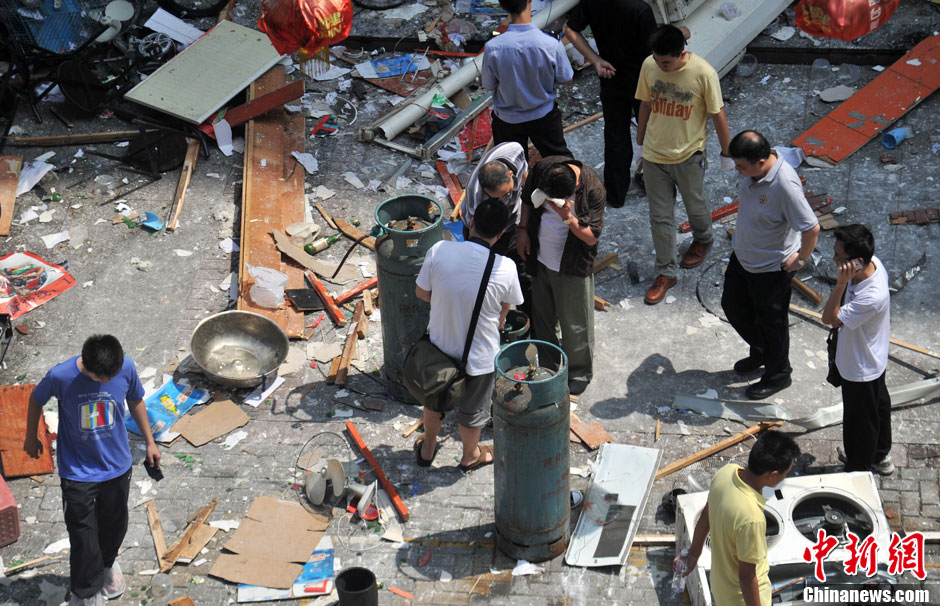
(657, 292)
(695, 255)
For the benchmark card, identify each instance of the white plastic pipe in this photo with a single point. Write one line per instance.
(462, 77)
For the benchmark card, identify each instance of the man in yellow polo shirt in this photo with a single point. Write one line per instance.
(734, 516)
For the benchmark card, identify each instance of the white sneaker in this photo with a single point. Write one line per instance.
(96, 600)
(114, 584)
(885, 467)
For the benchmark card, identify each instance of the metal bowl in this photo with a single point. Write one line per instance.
(238, 348)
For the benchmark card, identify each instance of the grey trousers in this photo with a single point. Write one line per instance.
(567, 301)
(689, 177)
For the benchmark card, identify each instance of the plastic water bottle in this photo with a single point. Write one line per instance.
(678, 581)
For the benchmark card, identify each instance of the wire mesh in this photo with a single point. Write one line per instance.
(56, 26)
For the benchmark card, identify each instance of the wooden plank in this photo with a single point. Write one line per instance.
(156, 530)
(592, 434)
(326, 216)
(79, 138)
(200, 539)
(388, 486)
(605, 262)
(367, 302)
(715, 448)
(182, 601)
(600, 304)
(352, 292)
(173, 551)
(186, 175)
(14, 404)
(272, 198)
(351, 231)
(412, 428)
(29, 564)
(804, 289)
(328, 304)
(236, 56)
(349, 347)
(454, 189)
(264, 103)
(718, 213)
(818, 316)
(9, 180)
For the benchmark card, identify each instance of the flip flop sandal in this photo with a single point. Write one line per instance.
(422, 462)
(479, 462)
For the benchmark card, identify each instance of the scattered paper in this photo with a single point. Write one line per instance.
(765, 79)
(296, 359)
(784, 33)
(228, 245)
(225, 525)
(446, 577)
(174, 27)
(234, 439)
(144, 485)
(308, 161)
(60, 545)
(353, 180)
(223, 136)
(57, 238)
(260, 394)
(182, 253)
(215, 420)
(914, 62)
(30, 175)
(324, 193)
(836, 93)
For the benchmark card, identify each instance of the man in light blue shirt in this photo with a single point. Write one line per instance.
(523, 66)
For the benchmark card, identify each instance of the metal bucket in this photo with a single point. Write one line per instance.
(531, 426)
(399, 253)
(239, 348)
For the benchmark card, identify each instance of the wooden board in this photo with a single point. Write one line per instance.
(872, 110)
(195, 83)
(272, 198)
(14, 402)
(9, 180)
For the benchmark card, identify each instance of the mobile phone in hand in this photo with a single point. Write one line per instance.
(155, 473)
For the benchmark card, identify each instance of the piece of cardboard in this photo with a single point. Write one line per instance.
(326, 270)
(278, 511)
(14, 402)
(237, 568)
(276, 540)
(215, 420)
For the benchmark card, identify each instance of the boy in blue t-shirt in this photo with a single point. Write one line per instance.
(94, 458)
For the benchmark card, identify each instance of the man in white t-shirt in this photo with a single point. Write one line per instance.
(449, 280)
(860, 305)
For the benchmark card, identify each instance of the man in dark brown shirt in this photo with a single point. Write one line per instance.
(562, 218)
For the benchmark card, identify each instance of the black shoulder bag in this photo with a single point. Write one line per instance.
(431, 376)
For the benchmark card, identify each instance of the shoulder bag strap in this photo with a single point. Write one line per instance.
(476, 309)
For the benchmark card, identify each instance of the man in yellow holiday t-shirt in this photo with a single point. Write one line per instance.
(677, 91)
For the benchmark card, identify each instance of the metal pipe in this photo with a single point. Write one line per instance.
(447, 87)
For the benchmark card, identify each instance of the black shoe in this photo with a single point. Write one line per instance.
(577, 387)
(747, 365)
(764, 389)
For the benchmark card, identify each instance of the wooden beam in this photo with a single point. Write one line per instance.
(707, 452)
(351, 231)
(367, 302)
(79, 139)
(349, 348)
(804, 289)
(156, 530)
(174, 551)
(9, 180)
(186, 175)
(605, 262)
(818, 316)
(272, 199)
(326, 216)
(328, 304)
(29, 564)
(264, 103)
(412, 428)
(388, 486)
(600, 304)
(352, 292)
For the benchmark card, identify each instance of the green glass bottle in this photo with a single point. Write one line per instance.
(320, 244)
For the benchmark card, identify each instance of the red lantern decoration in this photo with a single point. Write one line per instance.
(843, 19)
(308, 25)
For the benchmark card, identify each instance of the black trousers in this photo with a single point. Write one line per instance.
(757, 306)
(506, 246)
(546, 133)
(866, 423)
(96, 518)
(618, 104)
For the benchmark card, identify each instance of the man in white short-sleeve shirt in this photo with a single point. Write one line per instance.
(776, 233)
(860, 305)
(449, 280)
